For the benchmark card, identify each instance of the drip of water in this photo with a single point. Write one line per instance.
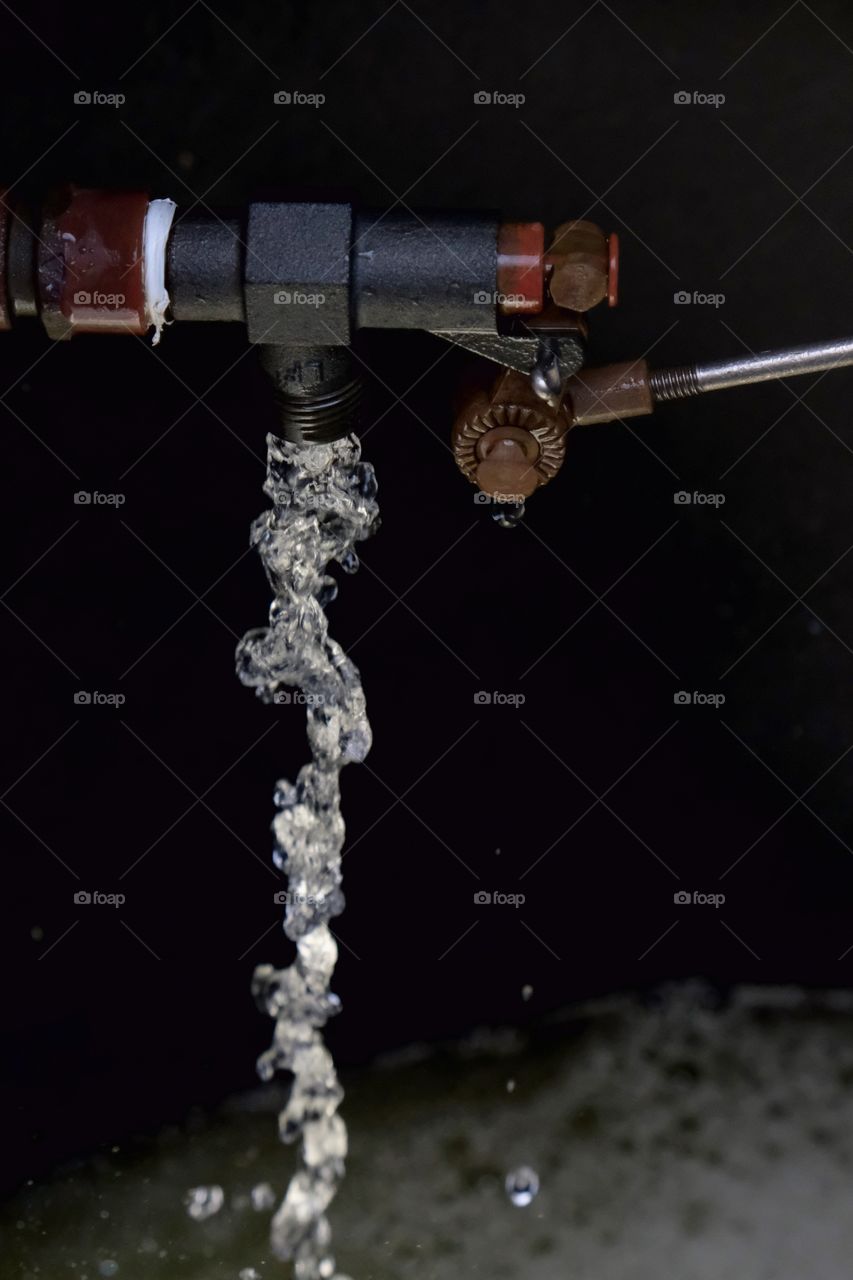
(263, 1197)
(509, 514)
(324, 502)
(204, 1202)
(522, 1186)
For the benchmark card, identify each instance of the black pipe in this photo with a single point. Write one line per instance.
(204, 269)
(430, 271)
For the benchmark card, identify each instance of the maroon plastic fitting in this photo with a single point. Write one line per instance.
(90, 262)
(521, 269)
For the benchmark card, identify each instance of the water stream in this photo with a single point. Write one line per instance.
(324, 502)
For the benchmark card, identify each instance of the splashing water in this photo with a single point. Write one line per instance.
(324, 502)
(204, 1202)
(522, 1186)
(263, 1197)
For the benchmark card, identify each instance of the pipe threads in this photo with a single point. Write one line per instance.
(323, 418)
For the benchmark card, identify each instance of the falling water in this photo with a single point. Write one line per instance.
(324, 502)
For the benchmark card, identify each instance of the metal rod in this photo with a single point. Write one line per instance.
(693, 380)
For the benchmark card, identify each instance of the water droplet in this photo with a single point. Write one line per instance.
(508, 514)
(204, 1202)
(510, 1086)
(522, 1185)
(109, 1267)
(265, 1066)
(249, 1273)
(263, 1197)
(526, 992)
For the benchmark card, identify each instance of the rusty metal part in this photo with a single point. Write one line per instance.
(507, 441)
(632, 390)
(517, 342)
(613, 270)
(614, 391)
(90, 262)
(579, 258)
(5, 220)
(521, 268)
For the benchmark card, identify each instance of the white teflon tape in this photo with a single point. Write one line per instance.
(155, 236)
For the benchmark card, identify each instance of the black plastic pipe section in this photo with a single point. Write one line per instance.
(204, 269)
(430, 271)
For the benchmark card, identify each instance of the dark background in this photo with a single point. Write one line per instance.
(116, 1020)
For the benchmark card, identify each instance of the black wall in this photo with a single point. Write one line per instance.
(138, 1012)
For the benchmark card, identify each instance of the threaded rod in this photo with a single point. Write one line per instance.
(693, 380)
(674, 384)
